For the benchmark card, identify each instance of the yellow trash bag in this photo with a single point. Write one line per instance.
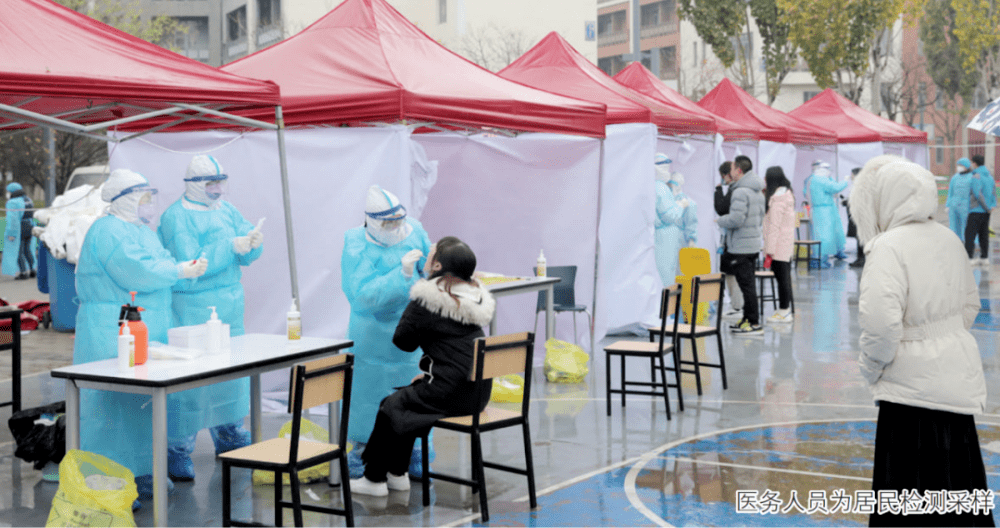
(565, 362)
(93, 491)
(508, 389)
(309, 432)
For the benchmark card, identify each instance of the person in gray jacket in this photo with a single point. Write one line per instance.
(743, 239)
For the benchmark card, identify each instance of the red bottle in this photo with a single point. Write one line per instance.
(130, 315)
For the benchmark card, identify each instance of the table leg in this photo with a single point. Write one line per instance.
(15, 353)
(550, 317)
(160, 457)
(255, 410)
(333, 415)
(72, 415)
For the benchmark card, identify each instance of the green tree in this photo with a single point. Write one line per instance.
(779, 51)
(836, 38)
(977, 28)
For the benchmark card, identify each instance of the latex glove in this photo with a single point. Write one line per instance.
(10, 238)
(190, 270)
(241, 245)
(692, 243)
(946, 210)
(683, 202)
(256, 239)
(37, 231)
(409, 260)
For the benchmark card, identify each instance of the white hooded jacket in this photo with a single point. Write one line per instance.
(918, 295)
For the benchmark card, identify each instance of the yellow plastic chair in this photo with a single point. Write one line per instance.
(693, 261)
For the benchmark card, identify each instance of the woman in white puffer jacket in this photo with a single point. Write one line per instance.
(918, 300)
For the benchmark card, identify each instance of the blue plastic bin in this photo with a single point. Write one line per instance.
(42, 264)
(62, 293)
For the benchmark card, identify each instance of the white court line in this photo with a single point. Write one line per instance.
(774, 469)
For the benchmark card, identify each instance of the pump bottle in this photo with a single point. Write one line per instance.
(540, 267)
(294, 323)
(126, 348)
(132, 319)
(214, 333)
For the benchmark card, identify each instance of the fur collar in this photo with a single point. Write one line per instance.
(476, 304)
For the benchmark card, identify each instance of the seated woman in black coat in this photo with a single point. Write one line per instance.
(444, 318)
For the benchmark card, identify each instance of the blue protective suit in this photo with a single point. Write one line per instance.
(11, 248)
(189, 234)
(669, 234)
(985, 188)
(959, 193)
(373, 281)
(826, 224)
(118, 257)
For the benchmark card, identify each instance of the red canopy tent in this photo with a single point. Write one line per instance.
(853, 123)
(732, 102)
(640, 79)
(554, 65)
(364, 62)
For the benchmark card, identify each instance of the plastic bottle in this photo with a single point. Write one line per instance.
(130, 313)
(213, 335)
(294, 323)
(126, 348)
(541, 264)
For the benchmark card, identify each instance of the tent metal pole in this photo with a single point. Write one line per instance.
(285, 194)
(597, 249)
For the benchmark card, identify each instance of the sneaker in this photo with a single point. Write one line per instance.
(984, 262)
(737, 325)
(732, 313)
(367, 487)
(748, 329)
(394, 483)
(781, 316)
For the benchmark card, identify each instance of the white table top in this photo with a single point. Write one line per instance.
(521, 284)
(250, 350)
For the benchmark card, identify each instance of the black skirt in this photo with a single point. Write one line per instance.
(927, 450)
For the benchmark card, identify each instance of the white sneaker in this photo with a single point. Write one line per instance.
(781, 317)
(984, 262)
(367, 487)
(400, 483)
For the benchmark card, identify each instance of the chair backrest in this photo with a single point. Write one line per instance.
(694, 261)
(500, 355)
(707, 288)
(564, 291)
(325, 380)
(670, 304)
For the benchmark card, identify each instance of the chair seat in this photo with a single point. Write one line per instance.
(637, 347)
(489, 415)
(764, 274)
(275, 451)
(698, 329)
(807, 241)
(569, 308)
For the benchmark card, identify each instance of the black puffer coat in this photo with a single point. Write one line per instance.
(445, 328)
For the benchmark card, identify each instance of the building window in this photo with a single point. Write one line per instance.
(939, 151)
(746, 42)
(922, 94)
(939, 102)
(806, 96)
(442, 11)
(236, 23)
(694, 54)
(191, 39)
(611, 65)
(268, 13)
(612, 24)
(668, 62)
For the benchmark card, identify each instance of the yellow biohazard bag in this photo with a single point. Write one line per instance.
(308, 432)
(565, 362)
(93, 491)
(508, 389)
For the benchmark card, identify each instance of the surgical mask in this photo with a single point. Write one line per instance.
(960, 168)
(216, 189)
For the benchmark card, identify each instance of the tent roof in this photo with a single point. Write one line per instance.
(640, 79)
(732, 102)
(853, 123)
(364, 62)
(554, 65)
(58, 62)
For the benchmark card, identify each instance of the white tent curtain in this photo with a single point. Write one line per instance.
(509, 199)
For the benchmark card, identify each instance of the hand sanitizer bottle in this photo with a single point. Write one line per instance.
(213, 333)
(126, 348)
(294, 323)
(541, 264)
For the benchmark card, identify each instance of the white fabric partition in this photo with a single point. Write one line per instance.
(628, 283)
(917, 153)
(694, 157)
(510, 198)
(784, 155)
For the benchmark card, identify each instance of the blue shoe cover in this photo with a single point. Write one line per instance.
(355, 467)
(229, 437)
(416, 466)
(144, 485)
(179, 464)
(136, 505)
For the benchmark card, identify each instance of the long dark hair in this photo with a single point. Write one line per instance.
(458, 263)
(775, 179)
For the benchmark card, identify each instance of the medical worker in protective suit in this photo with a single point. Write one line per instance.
(959, 191)
(827, 227)
(199, 224)
(380, 262)
(676, 223)
(17, 257)
(121, 254)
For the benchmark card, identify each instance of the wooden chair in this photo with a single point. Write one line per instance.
(326, 380)
(809, 245)
(704, 288)
(495, 356)
(655, 350)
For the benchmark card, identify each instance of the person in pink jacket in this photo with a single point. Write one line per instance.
(779, 237)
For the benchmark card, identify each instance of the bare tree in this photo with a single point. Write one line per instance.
(494, 46)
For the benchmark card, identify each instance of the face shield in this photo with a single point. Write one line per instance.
(207, 189)
(135, 204)
(148, 207)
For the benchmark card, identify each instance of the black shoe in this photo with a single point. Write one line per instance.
(21, 276)
(857, 263)
(33, 274)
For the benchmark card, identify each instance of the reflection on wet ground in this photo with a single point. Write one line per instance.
(797, 417)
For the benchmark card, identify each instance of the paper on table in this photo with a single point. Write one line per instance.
(173, 352)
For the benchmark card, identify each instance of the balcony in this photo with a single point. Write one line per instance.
(268, 35)
(656, 31)
(611, 39)
(236, 48)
